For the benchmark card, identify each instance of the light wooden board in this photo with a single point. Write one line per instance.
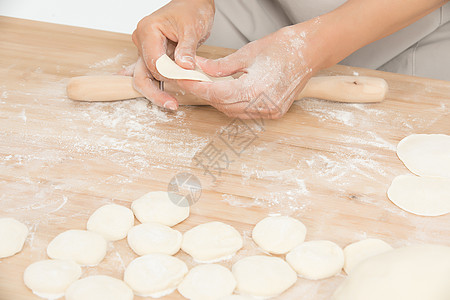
(325, 163)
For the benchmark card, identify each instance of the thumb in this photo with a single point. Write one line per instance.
(186, 49)
(225, 66)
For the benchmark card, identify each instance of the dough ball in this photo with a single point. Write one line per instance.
(154, 238)
(50, 278)
(207, 282)
(155, 275)
(408, 273)
(263, 276)
(158, 207)
(212, 242)
(83, 247)
(423, 196)
(426, 154)
(99, 287)
(12, 236)
(316, 259)
(279, 235)
(359, 251)
(112, 221)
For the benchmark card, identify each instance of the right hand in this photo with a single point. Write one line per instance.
(177, 28)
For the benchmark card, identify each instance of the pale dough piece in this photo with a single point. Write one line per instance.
(359, 251)
(237, 297)
(154, 238)
(12, 236)
(423, 196)
(426, 154)
(316, 259)
(50, 278)
(408, 273)
(263, 276)
(207, 282)
(86, 248)
(169, 69)
(158, 207)
(99, 287)
(211, 242)
(112, 221)
(155, 275)
(279, 234)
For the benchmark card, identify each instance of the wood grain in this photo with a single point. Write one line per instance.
(328, 164)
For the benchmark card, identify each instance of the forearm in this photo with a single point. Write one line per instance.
(211, 2)
(360, 22)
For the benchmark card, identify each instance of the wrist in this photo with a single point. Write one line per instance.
(332, 37)
(318, 50)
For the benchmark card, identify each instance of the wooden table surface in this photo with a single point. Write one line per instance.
(328, 164)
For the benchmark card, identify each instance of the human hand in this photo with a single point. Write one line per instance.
(176, 29)
(276, 68)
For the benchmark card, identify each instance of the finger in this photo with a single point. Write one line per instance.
(127, 71)
(144, 84)
(186, 49)
(225, 92)
(171, 49)
(228, 65)
(154, 46)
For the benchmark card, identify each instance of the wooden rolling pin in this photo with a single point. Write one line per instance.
(353, 89)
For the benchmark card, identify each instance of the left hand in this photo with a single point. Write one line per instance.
(276, 68)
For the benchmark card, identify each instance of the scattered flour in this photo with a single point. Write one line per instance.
(107, 62)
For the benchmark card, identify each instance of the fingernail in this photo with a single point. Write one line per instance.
(189, 60)
(170, 105)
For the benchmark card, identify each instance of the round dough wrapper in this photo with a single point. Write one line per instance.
(237, 297)
(263, 276)
(408, 273)
(169, 69)
(155, 275)
(423, 196)
(50, 278)
(279, 235)
(83, 247)
(316, 259)
(158, 207)
(426, 154)
(357, 252)
(207, 282)
(12, 236)
(211, 242)
(150, 238)
(112, 221)
(99, 287)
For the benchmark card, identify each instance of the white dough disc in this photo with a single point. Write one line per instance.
(237, 297)
(279, 234)
(207, 282)
(112, 221)
(316, 259)
(154, 238)
(158, 207)
(263, 276)
(155, 275)
(12, 236)
(423, 196)
(408, 273)
(426, 154)
(211, 242)
(359, 251)
(99, 287)
(50, 278)
(84, 247)
(169, 69)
